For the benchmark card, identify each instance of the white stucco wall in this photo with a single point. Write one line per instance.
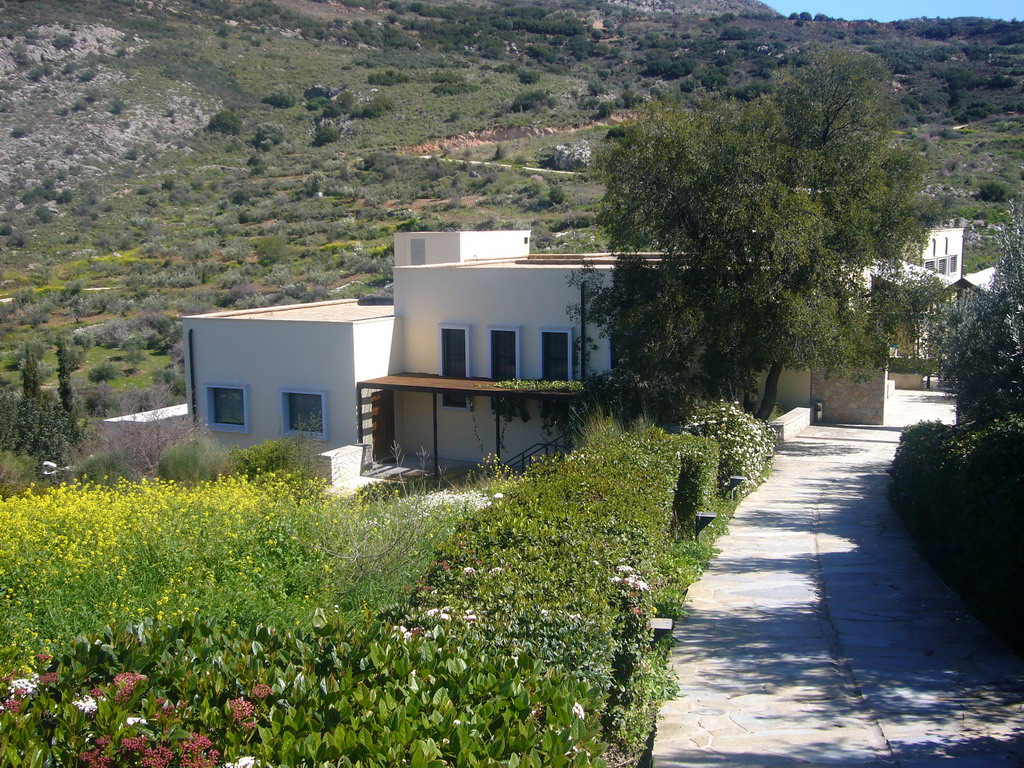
(794, 388)
(525, 297)
(449, 247)
(942, 246)
(268, 356)
(461, 435)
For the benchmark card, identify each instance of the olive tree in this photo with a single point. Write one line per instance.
(768, 216)
(982, 359)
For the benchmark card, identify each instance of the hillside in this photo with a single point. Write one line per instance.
(119, 204)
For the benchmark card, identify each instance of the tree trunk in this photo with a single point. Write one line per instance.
(771, 392)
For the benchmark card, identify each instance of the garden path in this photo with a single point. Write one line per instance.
(820, 638)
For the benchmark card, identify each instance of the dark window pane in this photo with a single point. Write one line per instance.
(555, 356)
(228, 406)
(305, 412)
(453, 352)
(503, 355)
(454, 401)
(453, 362)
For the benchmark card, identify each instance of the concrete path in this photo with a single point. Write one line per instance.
(819, 637)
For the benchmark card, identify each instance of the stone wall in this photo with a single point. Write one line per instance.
(790, 424)
(345, 464)
(857, 400)
(907, 380)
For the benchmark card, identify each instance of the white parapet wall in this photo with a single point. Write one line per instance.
(172, 413)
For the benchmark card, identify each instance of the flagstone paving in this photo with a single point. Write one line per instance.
(818, 637)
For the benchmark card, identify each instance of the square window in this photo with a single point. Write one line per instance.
(303, 413)
(227, 408)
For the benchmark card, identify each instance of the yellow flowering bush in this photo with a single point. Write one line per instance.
(78, 558)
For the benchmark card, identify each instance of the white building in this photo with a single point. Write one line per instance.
(944, 251)
(419, 377)
(415, 378)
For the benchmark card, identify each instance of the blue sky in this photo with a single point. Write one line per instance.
(880, 10)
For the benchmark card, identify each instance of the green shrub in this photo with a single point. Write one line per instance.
(698, 477)
(16, 473)
(325, 134)
(281, 99)
(195, 460)
(345, 694)
(961, 491)
(387, 77)
(105, 371)
(105, 468)
(375, 107)
(919, 365)
(529, 101)
(563, 563)
(226, 122)
(746, 444)
(281, 457)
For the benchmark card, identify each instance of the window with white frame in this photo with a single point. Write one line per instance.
(942, 265)
(930, 265)
(952, 265)
(454, 344)
(304, 412)
(504, 352)
(556, 354)
(227, 407)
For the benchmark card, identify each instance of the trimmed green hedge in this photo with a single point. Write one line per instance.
(961, 491)
(699, 459)
(921, 365)
(565, 563)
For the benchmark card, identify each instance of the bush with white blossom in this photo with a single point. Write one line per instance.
(746, 444)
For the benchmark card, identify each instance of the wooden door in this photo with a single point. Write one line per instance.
(382, 408)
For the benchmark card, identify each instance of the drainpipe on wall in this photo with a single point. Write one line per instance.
(192, 373)
(583, 331)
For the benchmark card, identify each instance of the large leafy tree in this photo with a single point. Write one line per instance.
(983, 347)
(768, 215)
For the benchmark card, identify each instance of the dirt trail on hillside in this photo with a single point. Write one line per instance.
(508, 133)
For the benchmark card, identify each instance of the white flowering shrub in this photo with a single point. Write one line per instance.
(746, 444)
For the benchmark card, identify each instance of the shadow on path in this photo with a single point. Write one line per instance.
(819, 637)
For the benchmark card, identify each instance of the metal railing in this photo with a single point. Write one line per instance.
(522, 460)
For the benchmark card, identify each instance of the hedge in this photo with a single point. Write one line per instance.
(746, 444)
(526, 643)
(343, 694)
(961, 492)
(565, 564)
(920, 365)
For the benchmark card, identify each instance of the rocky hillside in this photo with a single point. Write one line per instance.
(189, 154)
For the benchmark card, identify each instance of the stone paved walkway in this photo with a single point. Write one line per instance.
(819, 637)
